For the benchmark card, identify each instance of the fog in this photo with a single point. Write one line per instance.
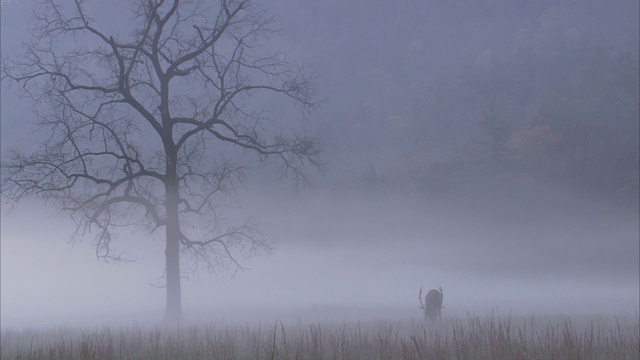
(338, 258)
(399, 203)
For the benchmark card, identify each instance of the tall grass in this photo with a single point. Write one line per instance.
(473, 337)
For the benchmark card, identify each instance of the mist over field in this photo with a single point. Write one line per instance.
(490, 148)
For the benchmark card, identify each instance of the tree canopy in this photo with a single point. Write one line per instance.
(137, 129)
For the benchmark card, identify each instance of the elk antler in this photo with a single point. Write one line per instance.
(421, 307)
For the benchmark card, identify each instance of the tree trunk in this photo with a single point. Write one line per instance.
(173, 311)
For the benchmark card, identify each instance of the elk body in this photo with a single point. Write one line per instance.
(432, 305)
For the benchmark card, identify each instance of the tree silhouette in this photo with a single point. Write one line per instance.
(136, 126)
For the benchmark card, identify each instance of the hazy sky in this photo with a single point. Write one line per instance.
(534, 247)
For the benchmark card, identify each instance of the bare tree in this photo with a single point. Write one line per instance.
(136, 126)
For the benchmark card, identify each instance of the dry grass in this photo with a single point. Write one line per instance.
(491, 337)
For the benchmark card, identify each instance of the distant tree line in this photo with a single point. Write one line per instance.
(445, 97)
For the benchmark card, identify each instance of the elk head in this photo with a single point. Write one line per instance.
(432, 305)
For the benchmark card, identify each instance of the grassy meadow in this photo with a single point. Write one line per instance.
(473, 337)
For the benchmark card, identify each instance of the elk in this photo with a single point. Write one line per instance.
(432, 306)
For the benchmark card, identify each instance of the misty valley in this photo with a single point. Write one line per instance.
(301, 179)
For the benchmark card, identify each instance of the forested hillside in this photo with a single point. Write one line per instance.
(454, 97)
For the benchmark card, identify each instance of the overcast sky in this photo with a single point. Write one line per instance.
(344, 248)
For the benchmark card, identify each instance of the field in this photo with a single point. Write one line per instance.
(490, 337)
